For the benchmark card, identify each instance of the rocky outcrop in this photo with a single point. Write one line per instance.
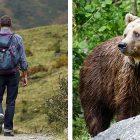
(128, 129)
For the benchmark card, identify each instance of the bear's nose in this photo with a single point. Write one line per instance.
(122, 45)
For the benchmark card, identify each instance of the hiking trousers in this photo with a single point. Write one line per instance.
(11, 83)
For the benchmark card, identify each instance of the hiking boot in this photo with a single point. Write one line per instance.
(1, 121)
(11, 134)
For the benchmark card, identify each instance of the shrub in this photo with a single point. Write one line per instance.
(25, 114)
(28, 53)
(57, 47)
(36, 69)
(62, 60)
(79, 129)
(57, 106)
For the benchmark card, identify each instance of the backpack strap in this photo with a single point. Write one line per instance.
(6, 47)
(10, 40)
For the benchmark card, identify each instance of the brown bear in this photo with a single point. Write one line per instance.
(110, 79)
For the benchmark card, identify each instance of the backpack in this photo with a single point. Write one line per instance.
(8, 54)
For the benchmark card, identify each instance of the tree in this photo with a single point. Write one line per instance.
(134, 10)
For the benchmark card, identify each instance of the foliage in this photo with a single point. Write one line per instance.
(57, 106)
(79, 129)
(62, 60)
(77, 61)
(93, 22)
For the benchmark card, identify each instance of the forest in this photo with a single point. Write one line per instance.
(93, 23)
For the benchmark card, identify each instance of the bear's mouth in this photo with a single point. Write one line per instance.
(123, 50)
(131, 53)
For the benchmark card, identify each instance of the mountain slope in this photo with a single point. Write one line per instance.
(27, 13)
(46, 49)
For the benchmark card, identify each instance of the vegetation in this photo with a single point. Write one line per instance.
(42, 106)
(57, 106)
(28, 14)
(94, 22)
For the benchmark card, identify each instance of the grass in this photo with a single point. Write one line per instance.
(80, 131)
(45, 67)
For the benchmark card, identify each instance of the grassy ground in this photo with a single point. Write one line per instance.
(80, 131)
(46, 49)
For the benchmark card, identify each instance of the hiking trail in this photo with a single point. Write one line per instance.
(26, 137)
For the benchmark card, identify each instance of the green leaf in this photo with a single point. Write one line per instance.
(108, 1)
(102, 28)
(88, 7)
(103, 4)
(88, 14)
(97, 15)
(83, 44)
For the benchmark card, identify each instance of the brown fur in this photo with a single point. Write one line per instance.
(109, 86)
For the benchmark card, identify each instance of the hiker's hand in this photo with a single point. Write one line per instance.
(24, 79)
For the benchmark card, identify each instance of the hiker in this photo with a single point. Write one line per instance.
(12, 59)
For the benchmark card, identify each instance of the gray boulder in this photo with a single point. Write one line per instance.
(128, 129)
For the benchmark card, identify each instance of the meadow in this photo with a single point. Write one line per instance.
(42, 106)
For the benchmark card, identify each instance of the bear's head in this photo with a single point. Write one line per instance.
(130, 44)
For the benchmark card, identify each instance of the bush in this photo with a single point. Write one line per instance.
(61, 61)
(79, 129)
(36, 69)
(28, 52)
(57, 106)
(25, 114)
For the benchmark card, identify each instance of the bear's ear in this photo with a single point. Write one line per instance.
(129, 18)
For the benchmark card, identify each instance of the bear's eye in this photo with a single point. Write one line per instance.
(136, 34)
(125, 35)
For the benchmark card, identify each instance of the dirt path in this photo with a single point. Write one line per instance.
(26, 137)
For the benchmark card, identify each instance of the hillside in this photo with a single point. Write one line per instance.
(27, 13)
(46, 49)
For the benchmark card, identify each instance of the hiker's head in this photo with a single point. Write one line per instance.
(5, 21)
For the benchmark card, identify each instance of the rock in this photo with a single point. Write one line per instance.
(128, 129)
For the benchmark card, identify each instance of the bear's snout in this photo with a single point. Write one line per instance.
(122, 47)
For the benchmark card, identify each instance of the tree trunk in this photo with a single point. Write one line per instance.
(134, 11)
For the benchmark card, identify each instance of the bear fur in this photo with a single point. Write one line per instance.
(110, 79)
